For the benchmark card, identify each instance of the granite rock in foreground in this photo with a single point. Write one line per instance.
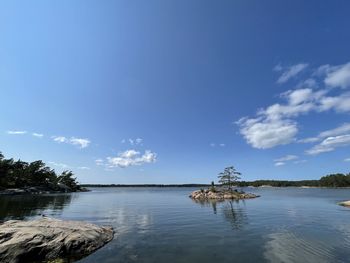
(48, 239)
(220, 195)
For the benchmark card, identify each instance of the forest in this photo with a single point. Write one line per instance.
(331, 180)
(20, 174)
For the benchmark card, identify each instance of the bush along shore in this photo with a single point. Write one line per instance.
(19, 177)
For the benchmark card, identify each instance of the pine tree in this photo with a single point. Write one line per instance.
(229, 177)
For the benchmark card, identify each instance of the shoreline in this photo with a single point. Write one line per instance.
(37, 191)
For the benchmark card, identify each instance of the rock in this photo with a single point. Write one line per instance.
(47, 239)
(220, 195)
(345, 203)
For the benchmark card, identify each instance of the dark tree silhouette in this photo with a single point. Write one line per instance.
(229, 177)
(17, 174)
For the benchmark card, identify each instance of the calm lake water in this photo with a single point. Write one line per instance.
(164, 225)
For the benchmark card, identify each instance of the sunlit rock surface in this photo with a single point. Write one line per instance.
(47, 239)
(345, 203)
(220, 195)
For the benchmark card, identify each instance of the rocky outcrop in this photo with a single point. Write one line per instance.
(345, 203)
(48, 239)
(60, 188)
(220, 195)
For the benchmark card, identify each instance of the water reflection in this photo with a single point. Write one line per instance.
(231, 210)
(236, 216)
(21, 206)
(286, 246)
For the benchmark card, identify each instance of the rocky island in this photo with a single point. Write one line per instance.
(216, 194)
(228, 178)
(50, 240)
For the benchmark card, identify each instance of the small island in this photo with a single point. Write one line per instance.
(228, 179)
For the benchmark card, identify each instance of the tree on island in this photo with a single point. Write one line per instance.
(229, 177)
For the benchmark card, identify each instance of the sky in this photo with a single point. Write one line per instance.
(133, 92)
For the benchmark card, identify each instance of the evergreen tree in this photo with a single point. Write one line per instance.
(229, 177)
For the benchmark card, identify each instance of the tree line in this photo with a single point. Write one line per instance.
(331, 180)
(230, 177)
(20, 174)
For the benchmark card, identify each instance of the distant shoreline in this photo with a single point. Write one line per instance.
(198, 185)
(145, 185)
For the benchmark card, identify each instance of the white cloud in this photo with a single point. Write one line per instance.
(83, 168)
(341, 130)
(330, 144)
(291, 72)
(99, 162)
(131, 158)
(289, 157)
(344, 128)
(129, 154)
(337, 76)
(81, 143)
(347, 160)
(339, 103)
(279, 163)
(217, 144)
(276, 125)
(278, 68)
(38, 135)
(137, 141)
(59, 139)
(264, 134)
(16, 132)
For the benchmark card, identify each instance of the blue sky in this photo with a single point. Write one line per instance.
(174, 91)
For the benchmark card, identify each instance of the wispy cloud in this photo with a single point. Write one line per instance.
(217, 144)
(276, 124)
(337, 76)
(83, 168)
(38, 135)
(131, 158)
(330, 144)
(290, 72)
(137, 141)
(59, 139)
(16, 132)
(286, 158)
(347, 160)
(341, 130)
(280, 163)
(99, 162)
(81, 143)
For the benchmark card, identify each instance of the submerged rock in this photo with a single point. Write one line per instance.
(49, 239)
(220, 195)
(345, 203)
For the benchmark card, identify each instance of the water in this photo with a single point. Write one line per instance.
(164, 225)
